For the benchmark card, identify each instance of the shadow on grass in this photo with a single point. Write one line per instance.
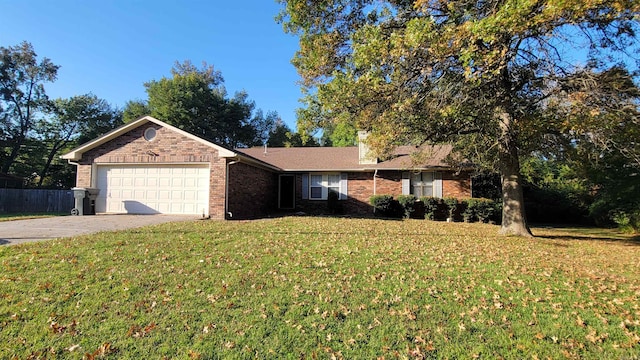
(587, 234)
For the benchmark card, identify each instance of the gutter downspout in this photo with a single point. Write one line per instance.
(375, 176)
(77, 166)
(226, 190)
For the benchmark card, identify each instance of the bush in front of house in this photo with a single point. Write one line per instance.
(413, 208)
(453, 206)
(433, 208)
(470, 213)
(386, 206)
(483, 210)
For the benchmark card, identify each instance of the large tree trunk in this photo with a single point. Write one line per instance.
(47, 165)
(514, 220)
(15, 150)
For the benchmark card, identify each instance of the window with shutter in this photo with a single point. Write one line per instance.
(321, 184)
(426, 184)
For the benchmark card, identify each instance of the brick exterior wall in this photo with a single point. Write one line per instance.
(253, 192)
(388, 183)
(168, 147)
(458, 186)
(360, 188)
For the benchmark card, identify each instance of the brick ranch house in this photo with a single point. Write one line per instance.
(150, 167)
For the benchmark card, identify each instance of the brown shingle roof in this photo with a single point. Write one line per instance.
(345, 158)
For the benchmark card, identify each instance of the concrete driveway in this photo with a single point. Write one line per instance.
(21, 231)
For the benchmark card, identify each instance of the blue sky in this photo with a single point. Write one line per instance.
(112, 47)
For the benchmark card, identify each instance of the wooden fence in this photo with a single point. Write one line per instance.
(13, 201)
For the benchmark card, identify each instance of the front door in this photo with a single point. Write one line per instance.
(287, 191)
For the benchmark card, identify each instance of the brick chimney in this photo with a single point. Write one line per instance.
(364, 157)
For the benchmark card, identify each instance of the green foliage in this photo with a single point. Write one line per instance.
(134, 109)
(453, 207)
(195, 100)
(321, 287)
(623, 215)
(22, 98)
(386, 206)
(628, 221)
(486, 185)
(343, 134)
(555, 190)
(433, 208)
(35, 130)
(282, 136)
(483, 210)
(616, 181)
(412, 207)
(95, 116)
(494, 78)
(469, 214)
(71, 122)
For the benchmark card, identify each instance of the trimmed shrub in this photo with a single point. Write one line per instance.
(470, 213)
(408, 203)
(453, 206)
(386, 206)
(434, 208)
(483, 210)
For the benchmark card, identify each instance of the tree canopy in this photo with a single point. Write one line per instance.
(22, 97)
(34, 129)
(195, 100)
(68, 123)
(497, 78)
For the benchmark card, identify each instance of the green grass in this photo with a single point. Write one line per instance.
(322, 288)
(24, 216)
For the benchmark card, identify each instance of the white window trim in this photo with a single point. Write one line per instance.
(407, 183)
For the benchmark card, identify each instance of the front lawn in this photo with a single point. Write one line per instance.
(322, 288)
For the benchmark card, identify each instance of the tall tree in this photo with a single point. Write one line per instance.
(195, 100)
(282, 136)
(602, 110)
(339, 133)
(264, 125)
(73, 121)
(475, 73)
(135, 109)
(22, 96)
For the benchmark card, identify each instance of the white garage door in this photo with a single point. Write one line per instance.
(153, 189)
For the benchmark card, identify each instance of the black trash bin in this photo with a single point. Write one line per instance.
(91, 194)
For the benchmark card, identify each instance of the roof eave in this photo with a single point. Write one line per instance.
(76, 154)
(242, 157)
